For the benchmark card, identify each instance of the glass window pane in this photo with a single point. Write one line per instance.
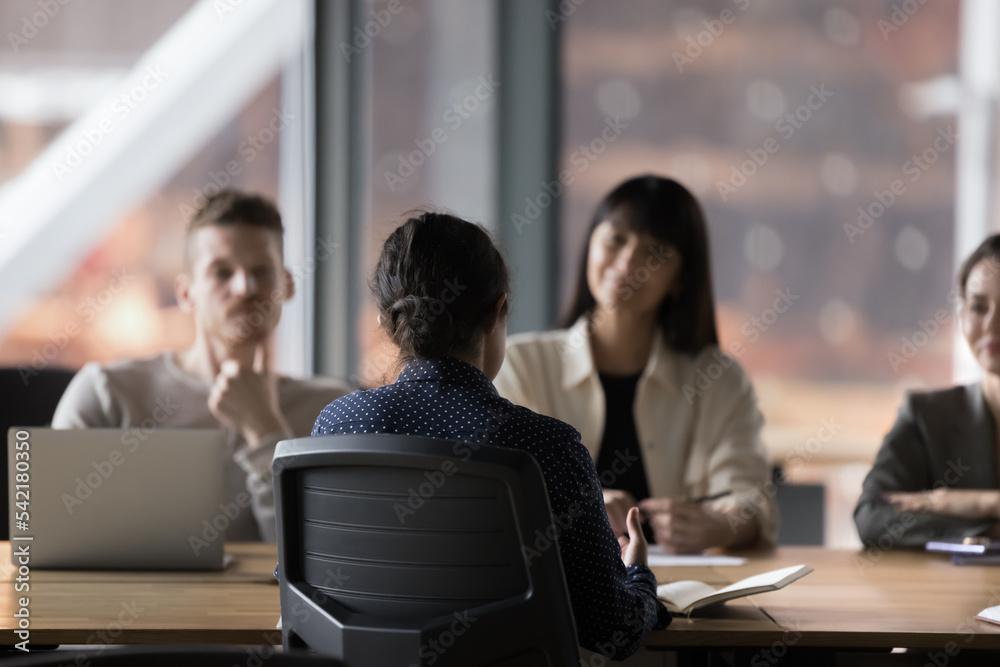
(432, 131)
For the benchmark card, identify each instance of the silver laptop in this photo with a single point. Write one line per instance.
(116, 499)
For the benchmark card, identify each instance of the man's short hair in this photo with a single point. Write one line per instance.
(232, 207)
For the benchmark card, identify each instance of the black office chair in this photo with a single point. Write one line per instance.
(802, 508)
(165, 656)
(30, 398)
(395, 551)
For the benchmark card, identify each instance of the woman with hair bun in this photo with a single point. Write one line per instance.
(671, 423)
(441, 289)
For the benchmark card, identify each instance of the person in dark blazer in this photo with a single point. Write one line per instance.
(937, 475)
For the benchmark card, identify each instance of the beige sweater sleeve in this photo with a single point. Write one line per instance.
(87, 402)
(728, 448)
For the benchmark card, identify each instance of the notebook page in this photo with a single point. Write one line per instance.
(683, 593)
(991, 614)
(765, 579)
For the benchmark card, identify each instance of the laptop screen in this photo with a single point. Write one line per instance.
(112, 499)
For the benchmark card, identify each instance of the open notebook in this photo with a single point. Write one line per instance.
(991, 614)
(686, 597)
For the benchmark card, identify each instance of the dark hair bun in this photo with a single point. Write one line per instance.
(436, 284)
(416, 318)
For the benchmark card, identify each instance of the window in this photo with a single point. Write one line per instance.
(111, 81)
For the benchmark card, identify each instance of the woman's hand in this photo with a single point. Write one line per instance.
(969, 503)
(618, 503)
(684, 527)
(633, 546)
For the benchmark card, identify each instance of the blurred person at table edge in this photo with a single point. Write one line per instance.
(666, 416)
(233, 284)
(936, 475)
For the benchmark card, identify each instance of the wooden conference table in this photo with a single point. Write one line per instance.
(893, 599)
(238, 605)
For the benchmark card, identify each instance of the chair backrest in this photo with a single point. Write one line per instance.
(405, 550)
(802, 508)
(28, 397)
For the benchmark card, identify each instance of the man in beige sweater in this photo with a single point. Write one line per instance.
(234, 284)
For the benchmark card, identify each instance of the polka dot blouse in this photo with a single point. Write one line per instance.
(614, 607)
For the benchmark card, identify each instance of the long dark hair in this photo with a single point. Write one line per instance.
(436, 284)
(666, 210)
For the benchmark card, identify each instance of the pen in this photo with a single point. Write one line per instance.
(714, 496)
(699, 499)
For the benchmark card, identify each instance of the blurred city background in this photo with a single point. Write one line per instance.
(789, 120)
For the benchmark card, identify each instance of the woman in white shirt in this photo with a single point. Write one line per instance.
(668, 418)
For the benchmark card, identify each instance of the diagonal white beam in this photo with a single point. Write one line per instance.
(184, 89)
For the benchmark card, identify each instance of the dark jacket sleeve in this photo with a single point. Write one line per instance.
(907, 461)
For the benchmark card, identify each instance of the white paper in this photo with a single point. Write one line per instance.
(657, 558)
(991, 614)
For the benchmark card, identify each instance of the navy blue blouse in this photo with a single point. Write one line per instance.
(614, 607)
